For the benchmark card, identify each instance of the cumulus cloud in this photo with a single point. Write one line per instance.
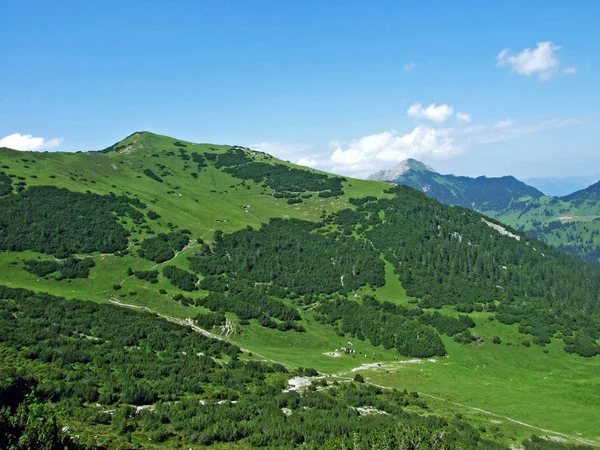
(410, 66)
(540, 61)
(307, 161)
(363, 154)
(27, 142)
(463, 117)
(433, 112)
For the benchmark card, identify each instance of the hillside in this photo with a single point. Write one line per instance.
(570, 223)
(285, 268)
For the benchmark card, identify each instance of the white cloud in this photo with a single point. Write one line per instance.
(27, 142)
(502, 124)
(410, 66)
(541, 61)
(361, 157)
(463, 117)
(364, 154)
(307, 161)
(294, 152)
(283, 150)
(433, 112)
(507, 130)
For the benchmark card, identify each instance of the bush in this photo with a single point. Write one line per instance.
(147, 275)
(152, 215)
(183, 279)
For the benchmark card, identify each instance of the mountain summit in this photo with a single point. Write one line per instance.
(401, 169)
(480, 194)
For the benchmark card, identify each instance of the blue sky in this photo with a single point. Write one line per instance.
(345, 86)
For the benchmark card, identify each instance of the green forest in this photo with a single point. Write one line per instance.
(62, 222)
(291, 254)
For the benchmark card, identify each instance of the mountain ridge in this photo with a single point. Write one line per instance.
(569, 222)
(481, 193)
(292, 264)
(401, 168)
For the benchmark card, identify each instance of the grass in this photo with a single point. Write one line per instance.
(392, 291)
(553, 390)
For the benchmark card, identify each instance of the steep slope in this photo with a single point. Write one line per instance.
(402, 168)
(569, 223)
(589, 195)
(291, 264)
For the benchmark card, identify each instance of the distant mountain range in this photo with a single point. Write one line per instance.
(558, 187)
(570, 222)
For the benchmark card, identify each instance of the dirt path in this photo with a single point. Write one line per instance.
(376, 366)
(183, 250)
(189, 323)
(557, 433)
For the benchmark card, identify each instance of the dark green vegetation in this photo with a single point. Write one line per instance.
(5, 184)
(393, 326)
(162, 247)
(96, 363)
(428, 437)
(290, 264)
(291, 254)
(183, 279)
(69, 268)
(251, 304)
(543, 289)
(278, 177)
(24, 422)
(571, 223)
(150, 174)
(148, 275)
(61, 222)
(409, 337)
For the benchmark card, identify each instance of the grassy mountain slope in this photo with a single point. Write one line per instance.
(215, 206)
(571, 223)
